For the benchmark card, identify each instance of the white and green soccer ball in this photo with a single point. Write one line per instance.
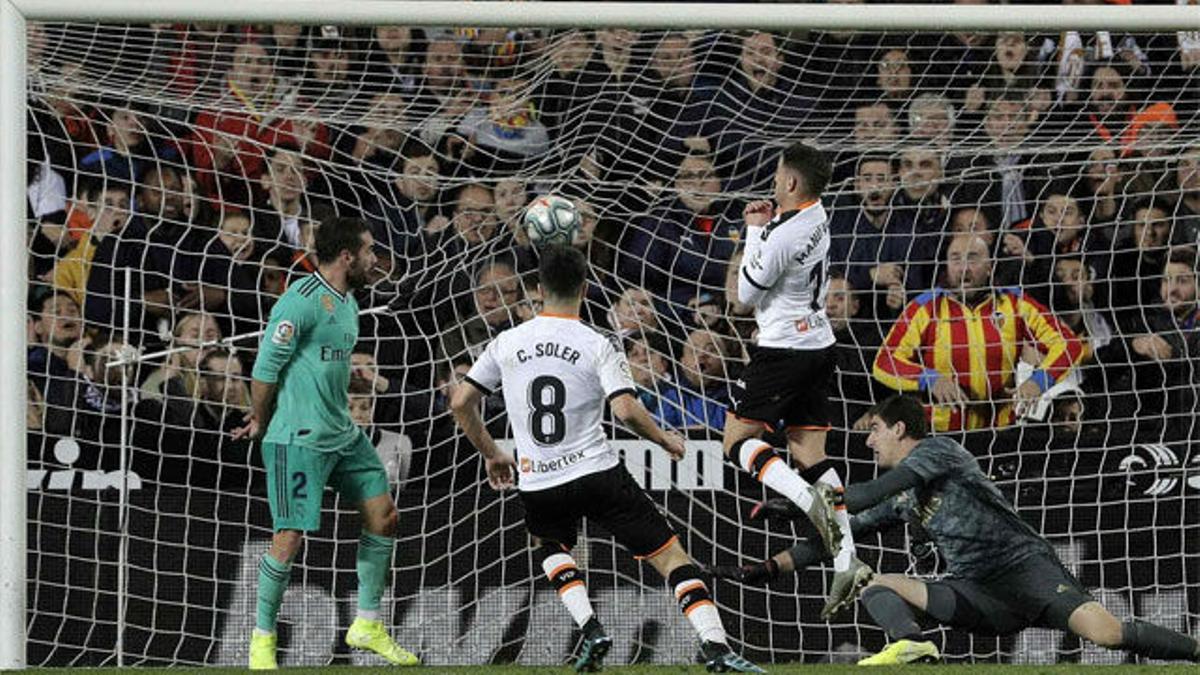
(551, 220)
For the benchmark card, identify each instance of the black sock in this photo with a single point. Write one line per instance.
(892, 613)
(593, 628)
(1147, 639)
(813, 473)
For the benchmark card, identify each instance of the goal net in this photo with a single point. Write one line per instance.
(176, 173)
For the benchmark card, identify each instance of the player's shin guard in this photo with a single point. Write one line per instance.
(1147, 639)
(696, 604)
(764, 463)
(374, 563)
(273, 577)
(826, 471)
(560, 568)
(891, 613)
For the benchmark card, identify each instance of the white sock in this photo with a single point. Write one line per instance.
(560, 568)
(841, 561)
(258, 631)
(776, 474)
(368, 614)
(702, 614)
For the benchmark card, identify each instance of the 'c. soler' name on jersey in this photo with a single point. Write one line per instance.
(549, 349)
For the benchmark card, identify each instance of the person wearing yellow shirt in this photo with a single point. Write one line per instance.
(105, 204)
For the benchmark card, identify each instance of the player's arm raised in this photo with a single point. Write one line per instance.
(763, 261)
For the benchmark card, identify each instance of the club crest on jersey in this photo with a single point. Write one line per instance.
(327, 303)
(526, 465)
(284, 331)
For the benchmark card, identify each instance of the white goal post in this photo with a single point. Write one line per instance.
(13, 248)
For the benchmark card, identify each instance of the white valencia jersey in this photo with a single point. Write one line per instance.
(784, 275)
(556, 374)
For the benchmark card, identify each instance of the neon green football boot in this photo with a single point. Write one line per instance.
(371, 636)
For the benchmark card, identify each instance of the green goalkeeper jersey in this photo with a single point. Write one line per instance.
(306, 350)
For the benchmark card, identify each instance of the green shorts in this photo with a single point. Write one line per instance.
(297, 476)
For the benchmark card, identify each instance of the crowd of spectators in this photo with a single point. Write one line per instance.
(1012, 214)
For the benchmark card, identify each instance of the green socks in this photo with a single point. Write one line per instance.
(374, 563)
(273, 579)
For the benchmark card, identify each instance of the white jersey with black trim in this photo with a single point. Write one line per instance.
(784, 274)
(555, 373)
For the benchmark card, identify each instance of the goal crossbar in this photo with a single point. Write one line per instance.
(626, 14)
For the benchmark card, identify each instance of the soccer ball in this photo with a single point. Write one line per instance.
(551, 220)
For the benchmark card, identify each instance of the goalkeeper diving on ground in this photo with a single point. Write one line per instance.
(1003, 576)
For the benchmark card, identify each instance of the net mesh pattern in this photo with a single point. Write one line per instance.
(186, 166)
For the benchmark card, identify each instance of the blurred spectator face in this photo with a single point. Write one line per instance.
(702, 358)
(1151, 228)
(1108, 90)
(125, 130)
(1154, 140)
(973, 221)
(1006, 122)
(588, 220)
(222, 381)
(647, 365)
(419, 180)
(284, 177)
(251, 72)
(697, 183)
(110, 212)
(616, 42)
(920, 172)
(59, 323)
(510, 200)
(330, 64)
(235, 235)
(760, 61)
(570, 51)
(841, 304)
(1010, 51)
(1071, 273)
(875, 185)
(394, 40)
(286, 35)
(1062, 216)
(361, 410)
(873, 125)
(968, 265)
(389, 114)
(1102, 166)
(1187, 173)
(895, 74)
(1178, 290)
(931, 119)
(192, 331)
(674, 62)
(161, 195)
(475, 214)
(635, 310)
(497, 289)
(443, 64)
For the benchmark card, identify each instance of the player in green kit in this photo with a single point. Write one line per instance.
(301, 411)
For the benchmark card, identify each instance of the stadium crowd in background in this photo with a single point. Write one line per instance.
(1014, 214)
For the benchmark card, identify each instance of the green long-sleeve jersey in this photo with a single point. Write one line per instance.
(306, 350)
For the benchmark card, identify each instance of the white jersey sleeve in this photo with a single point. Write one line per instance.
(613, 367)
(765, 261)
(485, 373)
